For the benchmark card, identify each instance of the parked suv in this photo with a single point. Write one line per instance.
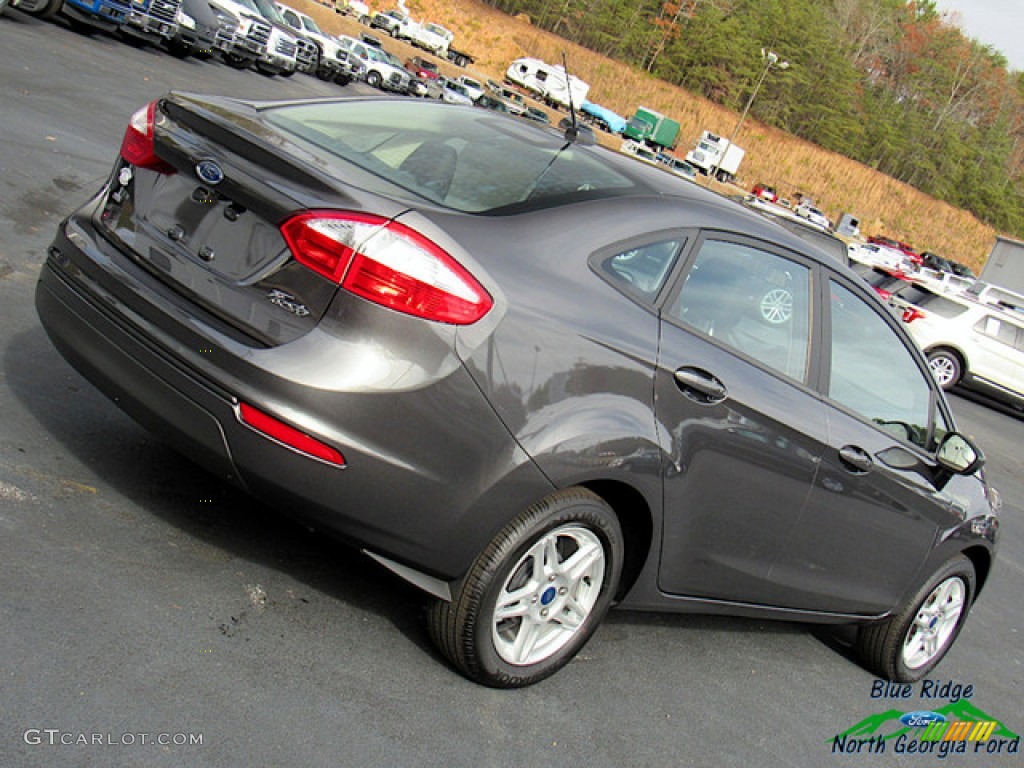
(383, 70)
(978, 346)
(331, 61)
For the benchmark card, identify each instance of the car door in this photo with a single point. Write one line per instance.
(744, 430)
(879, 503)
(995, 352)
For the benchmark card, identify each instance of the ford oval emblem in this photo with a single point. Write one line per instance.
(921, 719)
(210, 172)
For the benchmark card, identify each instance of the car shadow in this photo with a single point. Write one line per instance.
(137, 466)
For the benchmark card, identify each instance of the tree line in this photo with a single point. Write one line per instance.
(890, 83)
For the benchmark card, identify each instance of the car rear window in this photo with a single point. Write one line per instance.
(462, 158)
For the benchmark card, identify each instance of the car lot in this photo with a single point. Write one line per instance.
(145, 597)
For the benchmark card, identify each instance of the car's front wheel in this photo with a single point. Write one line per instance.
(909, 645)
(536, 594)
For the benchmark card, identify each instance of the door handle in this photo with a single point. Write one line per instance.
(856, 460)
(700, 385)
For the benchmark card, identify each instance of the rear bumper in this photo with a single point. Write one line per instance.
(414, 481)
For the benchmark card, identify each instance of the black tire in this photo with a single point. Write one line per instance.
(566, 598)
(947, 367)
(81, 27)
(902, 647)
(237, 62)
(179, 49)
(343, 79)
(51, 10)
(373, 79)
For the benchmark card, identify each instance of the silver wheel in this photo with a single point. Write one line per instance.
(908, 645)
(548, 595)
(935, 623)
(777, 306)
(945, 368)
(536, 593)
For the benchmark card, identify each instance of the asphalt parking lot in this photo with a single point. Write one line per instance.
(152, 616)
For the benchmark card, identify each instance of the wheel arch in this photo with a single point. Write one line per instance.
(959, 353)
(981, 559)
(637, 523)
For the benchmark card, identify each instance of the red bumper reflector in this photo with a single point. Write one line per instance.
(287, 435)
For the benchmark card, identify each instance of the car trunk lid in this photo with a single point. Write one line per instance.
(210, 229)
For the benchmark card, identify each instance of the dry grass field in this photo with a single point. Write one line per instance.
(836, 183)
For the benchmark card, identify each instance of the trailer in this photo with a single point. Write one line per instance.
(1005, 265)
(548, 82)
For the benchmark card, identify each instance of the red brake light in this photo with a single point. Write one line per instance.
(283, 433)
(137, 147)
(910, 314)
(387, 263)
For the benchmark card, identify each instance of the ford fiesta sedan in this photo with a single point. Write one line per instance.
(533, 378)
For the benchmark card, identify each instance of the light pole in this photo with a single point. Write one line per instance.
(771, 60)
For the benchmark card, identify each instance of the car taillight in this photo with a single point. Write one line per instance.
(910, 314)
(387, 263)
(290, 436)
(138, 147)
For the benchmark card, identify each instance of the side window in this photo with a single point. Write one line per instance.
(996, 329)
(641, 271)
(752, 300)
(874, 374)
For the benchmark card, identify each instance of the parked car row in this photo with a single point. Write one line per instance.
(274, 38)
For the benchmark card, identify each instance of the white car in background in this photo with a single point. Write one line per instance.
(968, 343)
(383, 70)
(813, 215)
(880, 256)
(473, 87)
(455, 92)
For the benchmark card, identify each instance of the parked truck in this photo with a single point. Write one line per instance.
(152, 21)
(433, 37)
(653, 129)
(82, 14)
(716, 155)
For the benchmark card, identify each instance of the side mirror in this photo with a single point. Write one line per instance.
(959, 455)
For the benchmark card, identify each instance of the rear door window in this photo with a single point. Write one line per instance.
(753, 300)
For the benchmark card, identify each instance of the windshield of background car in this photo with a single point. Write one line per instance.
(462, 158)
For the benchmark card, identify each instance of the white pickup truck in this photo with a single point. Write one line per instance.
(432, 37)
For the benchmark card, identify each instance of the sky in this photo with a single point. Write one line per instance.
(998, 23)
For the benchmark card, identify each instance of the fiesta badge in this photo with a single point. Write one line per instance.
(210, 172)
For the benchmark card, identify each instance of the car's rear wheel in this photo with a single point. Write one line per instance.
(946, 367)
(373, 79)
(907, 646)
(535, 595)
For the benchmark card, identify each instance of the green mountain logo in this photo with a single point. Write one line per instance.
(887, 725)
